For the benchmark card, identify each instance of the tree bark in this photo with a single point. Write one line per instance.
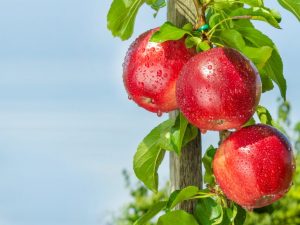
(186, 170)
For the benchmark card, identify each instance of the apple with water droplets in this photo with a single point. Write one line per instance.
(218, 89)
(254, 166)
(150, 72)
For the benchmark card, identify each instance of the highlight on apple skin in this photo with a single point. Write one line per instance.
(254, 166)
(150, 72)
(218, 89)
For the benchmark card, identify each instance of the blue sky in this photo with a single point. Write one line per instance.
(67, 128)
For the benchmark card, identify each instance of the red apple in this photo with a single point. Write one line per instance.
(218, 89)
(254, 166)
(150, 72)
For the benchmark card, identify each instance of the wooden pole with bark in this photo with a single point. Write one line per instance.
(185, 170)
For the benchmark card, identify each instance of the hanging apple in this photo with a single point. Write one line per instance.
(150, 72)
(218, 89)
(254, 166)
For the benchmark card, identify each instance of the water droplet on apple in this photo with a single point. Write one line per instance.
(159, 113)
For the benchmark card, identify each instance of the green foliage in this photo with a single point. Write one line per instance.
(207, 162)
(177, 217)
(121, 17)
(256, 13)
(167, 32)
(265, 118)
(292, 5)
(122, 14)
(169, 135)
(208, 211)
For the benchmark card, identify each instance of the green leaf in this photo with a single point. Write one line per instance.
(292, 5)
(181, 195)
(149, 155)
(201, 45)
(250, 122)
(156, 5)
(179, 217)
(188, 27)
(208, 212)
(266, 81)
(225, 3)
(180, 134)
(167, 32)
(256, 13)
(259, 56)
(152, 212)
(170, 135)
(254, 3)
(190, 42)
(274, 66)
(240, 216)
(233, 39)
(207, 162)
(266, 118)
(121, 17)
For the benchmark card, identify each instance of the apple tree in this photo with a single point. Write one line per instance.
(207, 67)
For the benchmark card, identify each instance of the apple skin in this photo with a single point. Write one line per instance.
(254, 166)
(218, 89)
(150, 72)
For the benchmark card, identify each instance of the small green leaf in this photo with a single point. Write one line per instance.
(250, 122)
(181, 195)
(266, 118)
(266, 81)
(180, 134)
(203, 46)
(152, 212)
(292, 5)
(156, 5)
(121, 17)
(208, 212)
(276, 15)
(191, 42)
(256, 13)
(240, 215)
(207, 162)
(167, 32)
(179, 217)
(150, 154)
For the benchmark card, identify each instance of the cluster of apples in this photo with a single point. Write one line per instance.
(217, 89)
